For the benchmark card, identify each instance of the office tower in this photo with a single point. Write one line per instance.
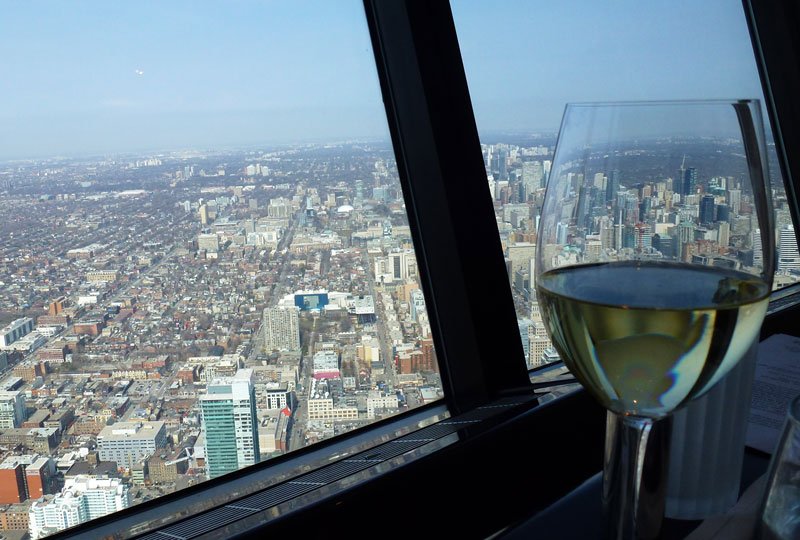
(645, 206)
(281, 329)
(561, 233)
(417, 304)
(12, 482)
(12, 409)
(279, 208)
(606, 233)
(402, 264)
(428, 355)
(230, 424)
(520, 255)
(707, 209)
(532, 174)
(208, 242)
(723, 233)
(644, 236)
(40, 476)
(723, 212)
(599, 181)
(689, 183)
(204, 217)
(788, 256)
(758, 254)
(539, 342)
(127, 443)
(83, 498)
(631, 209)
(546, 165)
(612, 186)
(500, 163)
(525, 327)
(735, 200)
(580, 212)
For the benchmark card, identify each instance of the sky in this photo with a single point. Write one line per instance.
(86, 77)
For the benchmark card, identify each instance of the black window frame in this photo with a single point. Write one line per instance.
(487, 481)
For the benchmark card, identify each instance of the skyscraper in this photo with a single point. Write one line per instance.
(230, 424)
(525, 327)
(707, 209)
(281, 329)
(734, 200)
(689, 182)
(612, 185)
(788, 256)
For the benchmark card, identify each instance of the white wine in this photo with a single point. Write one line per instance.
(644, 338)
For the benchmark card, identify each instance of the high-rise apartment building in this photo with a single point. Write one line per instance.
(280, 208)
(12, 409)
(758, 254)
(230, 424)
(82, 499)
(281, 329)
(788, 256)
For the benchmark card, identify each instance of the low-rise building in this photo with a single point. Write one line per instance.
(14, 517)
(130, 442)
(14, 331)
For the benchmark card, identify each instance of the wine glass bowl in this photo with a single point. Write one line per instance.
(641, 352)
(655, 254)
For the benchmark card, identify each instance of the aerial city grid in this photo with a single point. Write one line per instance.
(173, 317)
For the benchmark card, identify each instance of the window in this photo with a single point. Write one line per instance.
(471, 308)
(548, 54)
(208, 263)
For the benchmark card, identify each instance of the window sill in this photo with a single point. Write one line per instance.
(479, 466)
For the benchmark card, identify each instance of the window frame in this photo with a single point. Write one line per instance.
(470, 303)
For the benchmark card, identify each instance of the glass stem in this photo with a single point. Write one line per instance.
(635, 476)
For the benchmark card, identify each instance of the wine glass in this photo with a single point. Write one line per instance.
(654, 264)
